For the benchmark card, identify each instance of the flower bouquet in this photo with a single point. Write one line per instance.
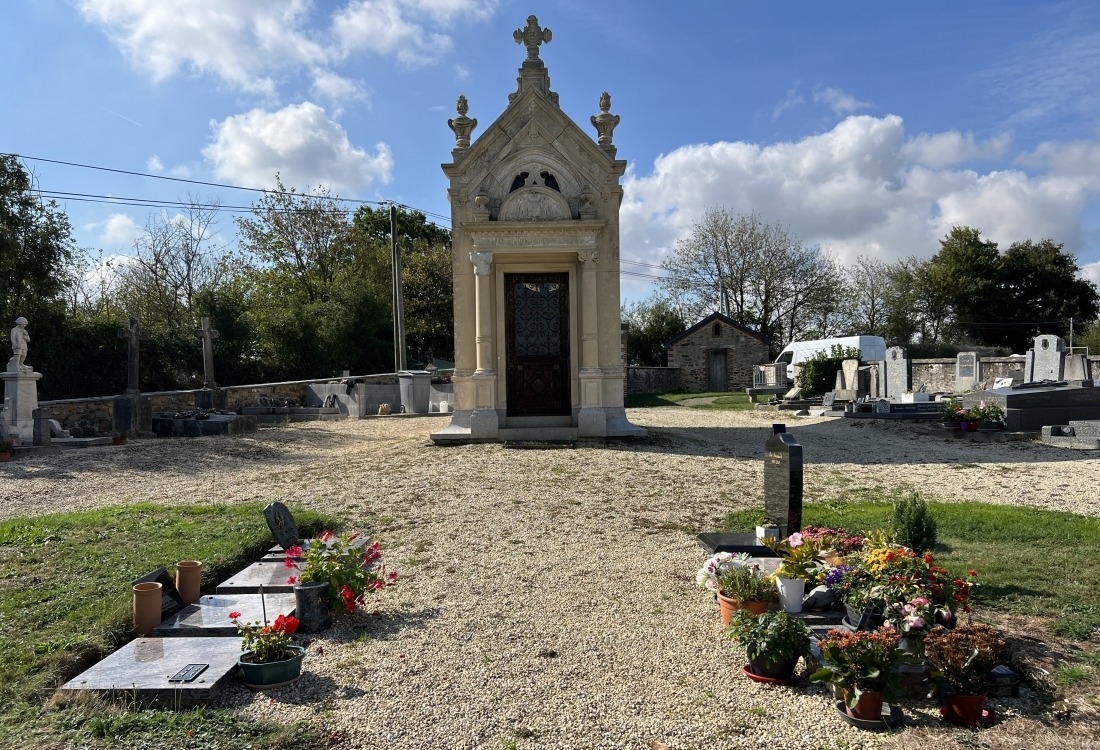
(350, 563)
(737, 581)
(265, 643)
(798, 566)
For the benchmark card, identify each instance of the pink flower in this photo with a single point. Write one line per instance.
(325, 536)
(916, 621)
(393, 575)
(795, 540)
(292, 580)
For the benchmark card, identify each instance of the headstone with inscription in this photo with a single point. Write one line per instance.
(1077, 368)
(281, 522)
(783, 482)
(966, 371)
(1050, 358)
(899, 372)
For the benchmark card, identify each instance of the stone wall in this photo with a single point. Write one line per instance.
(938, 375)
(742, 350)
(97, 411)
(652, 380)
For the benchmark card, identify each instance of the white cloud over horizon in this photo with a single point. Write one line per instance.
(839, 102)
(866, 188)
(117, 230)
(301, 143)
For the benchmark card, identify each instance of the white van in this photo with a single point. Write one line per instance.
(797, 352)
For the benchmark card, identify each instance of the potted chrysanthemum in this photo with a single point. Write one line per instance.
(860, 663)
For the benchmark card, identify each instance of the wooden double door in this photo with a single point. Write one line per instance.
(537, 344)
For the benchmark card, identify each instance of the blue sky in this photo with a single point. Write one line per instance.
(870, 128)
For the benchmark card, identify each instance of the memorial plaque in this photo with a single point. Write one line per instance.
(783, 482)
(282, 525)
(1050, 358)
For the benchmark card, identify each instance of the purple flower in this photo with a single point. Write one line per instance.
(834, 576)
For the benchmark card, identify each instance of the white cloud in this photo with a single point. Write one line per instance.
(384, 27)
(240, 41)
(1091, 272)
(337, 90)
(298, 141)
(953, 147)
(790, 101)
(840, 102)
(115, 230)
(859, 189)
(154, 164)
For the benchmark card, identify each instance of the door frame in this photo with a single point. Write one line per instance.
(500, 327)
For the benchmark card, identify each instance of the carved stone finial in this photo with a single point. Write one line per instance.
(462, 125)
(605, 122)
(532, 36)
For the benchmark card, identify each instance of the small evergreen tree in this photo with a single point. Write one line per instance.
(913, 524)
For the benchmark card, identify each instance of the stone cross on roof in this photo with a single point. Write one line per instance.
(532, 36)
(207, 334)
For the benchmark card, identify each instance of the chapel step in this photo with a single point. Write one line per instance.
(543, 434)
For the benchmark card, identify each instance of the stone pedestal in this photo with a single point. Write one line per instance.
(20, 402)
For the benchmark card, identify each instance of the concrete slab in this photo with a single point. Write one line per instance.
(210, 615)
(271, 575)
(139, 672)
(75, 442)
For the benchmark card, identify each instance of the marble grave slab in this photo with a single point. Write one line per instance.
(271, 575)
(210, 615)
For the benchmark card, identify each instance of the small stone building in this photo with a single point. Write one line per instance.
(717, 354)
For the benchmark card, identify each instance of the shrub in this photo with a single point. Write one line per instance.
(818, 373)
(913, 523)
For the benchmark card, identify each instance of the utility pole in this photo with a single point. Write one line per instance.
(1071, 333)
(398, 302)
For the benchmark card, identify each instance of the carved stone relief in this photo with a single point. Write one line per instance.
(534, 204)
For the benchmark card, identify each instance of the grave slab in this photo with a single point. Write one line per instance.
(210, 615)
(271, 575)
(139, 671)
(734, 542)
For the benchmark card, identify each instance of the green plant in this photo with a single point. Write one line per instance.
(860, 662)
(1070, 674)
(267, 643)
(350, 563)
(953, 411)
(914, 525)
(817, 375)
(985, 412)
(747, 583)
(774, 635)
(798, 556)
(963, 657)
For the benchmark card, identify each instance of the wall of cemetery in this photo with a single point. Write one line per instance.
(652, 380)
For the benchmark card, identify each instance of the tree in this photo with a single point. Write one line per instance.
(1037, 290)
(965, 270)
(36, 251)
(760, 274)
(868, 286)
(651, 324)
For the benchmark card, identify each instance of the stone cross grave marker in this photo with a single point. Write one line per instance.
(783, 481)
(132, 334)
(281, 523)
(207, 334)
(966, 370)
(899, 372)
(1050, 358)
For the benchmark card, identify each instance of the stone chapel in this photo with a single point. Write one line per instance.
(535, 233)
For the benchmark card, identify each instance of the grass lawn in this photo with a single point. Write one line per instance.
(723, 401)
(65, 601)
(1029, 561)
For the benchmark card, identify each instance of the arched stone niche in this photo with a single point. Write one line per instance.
(535, 204)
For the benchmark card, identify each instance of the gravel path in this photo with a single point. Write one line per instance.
(547, 597)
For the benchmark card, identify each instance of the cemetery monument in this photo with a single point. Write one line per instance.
(535, 252)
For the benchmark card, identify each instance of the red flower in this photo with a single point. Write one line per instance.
(393, 575)
(234, 615)
(290, 625)
(928, 559)
(972, 572)
(292, 552)
(292, 580)
(325, 536)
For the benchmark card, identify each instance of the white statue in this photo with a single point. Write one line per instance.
(19, 340)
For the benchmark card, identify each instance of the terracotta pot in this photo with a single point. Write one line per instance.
(755, 606)
(4, 458)
(867, 708)
(188, 578)
(147, 609)
(726, 607)
(791, 593)
(964, 709)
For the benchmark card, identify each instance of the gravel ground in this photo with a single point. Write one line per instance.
(547, 597)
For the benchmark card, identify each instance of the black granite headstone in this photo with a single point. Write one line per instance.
(281, 523)
(170, 600)
(783, 482)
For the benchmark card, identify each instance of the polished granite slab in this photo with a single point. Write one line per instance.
(271, 575)
(210, 615)
(139, 672)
